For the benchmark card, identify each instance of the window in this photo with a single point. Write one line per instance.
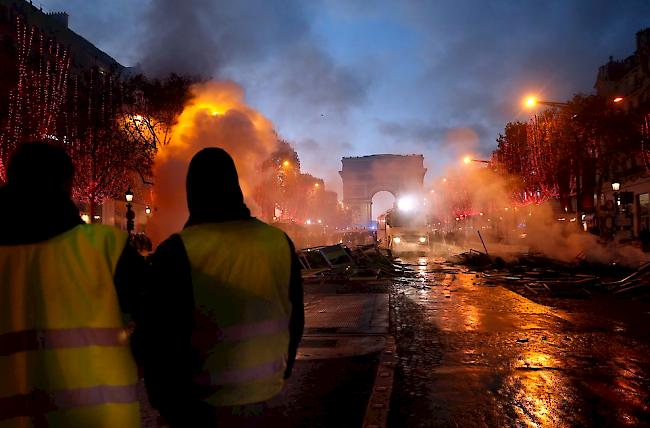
(644, 211)
(644, 204)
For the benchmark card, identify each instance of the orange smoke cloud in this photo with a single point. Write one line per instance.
(217, 116)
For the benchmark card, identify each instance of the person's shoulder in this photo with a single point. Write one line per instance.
(172, 244)
(104, 228)
(267, 227)
(102, 231)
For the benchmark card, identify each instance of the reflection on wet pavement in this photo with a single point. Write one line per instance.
(477, 355)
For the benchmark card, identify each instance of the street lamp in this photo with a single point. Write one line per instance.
(468, 159)
(130, 214)
(147, 210)
(531, 102)
(615, 187)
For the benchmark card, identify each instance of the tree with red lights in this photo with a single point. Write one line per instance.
(34, 104)
(568, 151)
(117, 128)
(110, 126)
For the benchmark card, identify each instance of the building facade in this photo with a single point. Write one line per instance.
(627, 82)
(83, 56)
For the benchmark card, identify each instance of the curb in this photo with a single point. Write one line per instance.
(379, 402)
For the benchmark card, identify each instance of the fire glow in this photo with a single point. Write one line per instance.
(217, 116)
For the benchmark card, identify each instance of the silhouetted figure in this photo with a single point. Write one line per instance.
(644, 237)
(226, 311)
(64, 353)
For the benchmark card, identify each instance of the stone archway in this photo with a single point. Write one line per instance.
(366, 175)
(380, 203)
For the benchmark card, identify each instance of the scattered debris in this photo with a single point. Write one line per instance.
(531, 274)
(340, 264)
(538, 275)
(637, 281)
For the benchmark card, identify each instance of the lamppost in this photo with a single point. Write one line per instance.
(468, 159)
(615, 187)
(532, 102)
(130, 214)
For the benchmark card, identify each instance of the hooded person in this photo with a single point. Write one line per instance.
(64, 285)
(225, 314)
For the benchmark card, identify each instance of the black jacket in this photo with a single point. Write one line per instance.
(170, 361)
(28, 218)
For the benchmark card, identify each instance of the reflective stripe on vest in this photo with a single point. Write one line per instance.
(248, 331)
(31, 340)
(63, 342)
(39, 402)
(240, 278)
(237, 376)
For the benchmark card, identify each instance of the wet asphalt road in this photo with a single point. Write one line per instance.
(472, 354)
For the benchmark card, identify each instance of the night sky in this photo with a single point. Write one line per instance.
(348, 77)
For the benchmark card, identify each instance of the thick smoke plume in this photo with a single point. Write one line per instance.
(216, 117)
(476, 198)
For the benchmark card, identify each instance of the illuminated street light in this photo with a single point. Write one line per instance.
(129, 195)
(316, 185)
(286, 164)
(531, 102)
(147, 210)
(616, 186)
(130, 214)
(618, 99)
(468, 159)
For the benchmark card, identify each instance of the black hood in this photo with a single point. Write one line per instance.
(27, 217)
(213, 191)
(35, 205)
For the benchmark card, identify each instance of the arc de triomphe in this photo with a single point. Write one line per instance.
(366, 175)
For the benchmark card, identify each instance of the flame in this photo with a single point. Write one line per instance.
(217, 116)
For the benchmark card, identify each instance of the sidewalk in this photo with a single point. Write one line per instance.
(345, 334)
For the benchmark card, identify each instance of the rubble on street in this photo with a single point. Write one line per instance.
(540, 275)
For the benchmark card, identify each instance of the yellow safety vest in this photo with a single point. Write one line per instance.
(240, 276)
(64, 354)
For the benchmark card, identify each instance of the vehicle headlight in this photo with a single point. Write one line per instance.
(423, 239)
(397, 239)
